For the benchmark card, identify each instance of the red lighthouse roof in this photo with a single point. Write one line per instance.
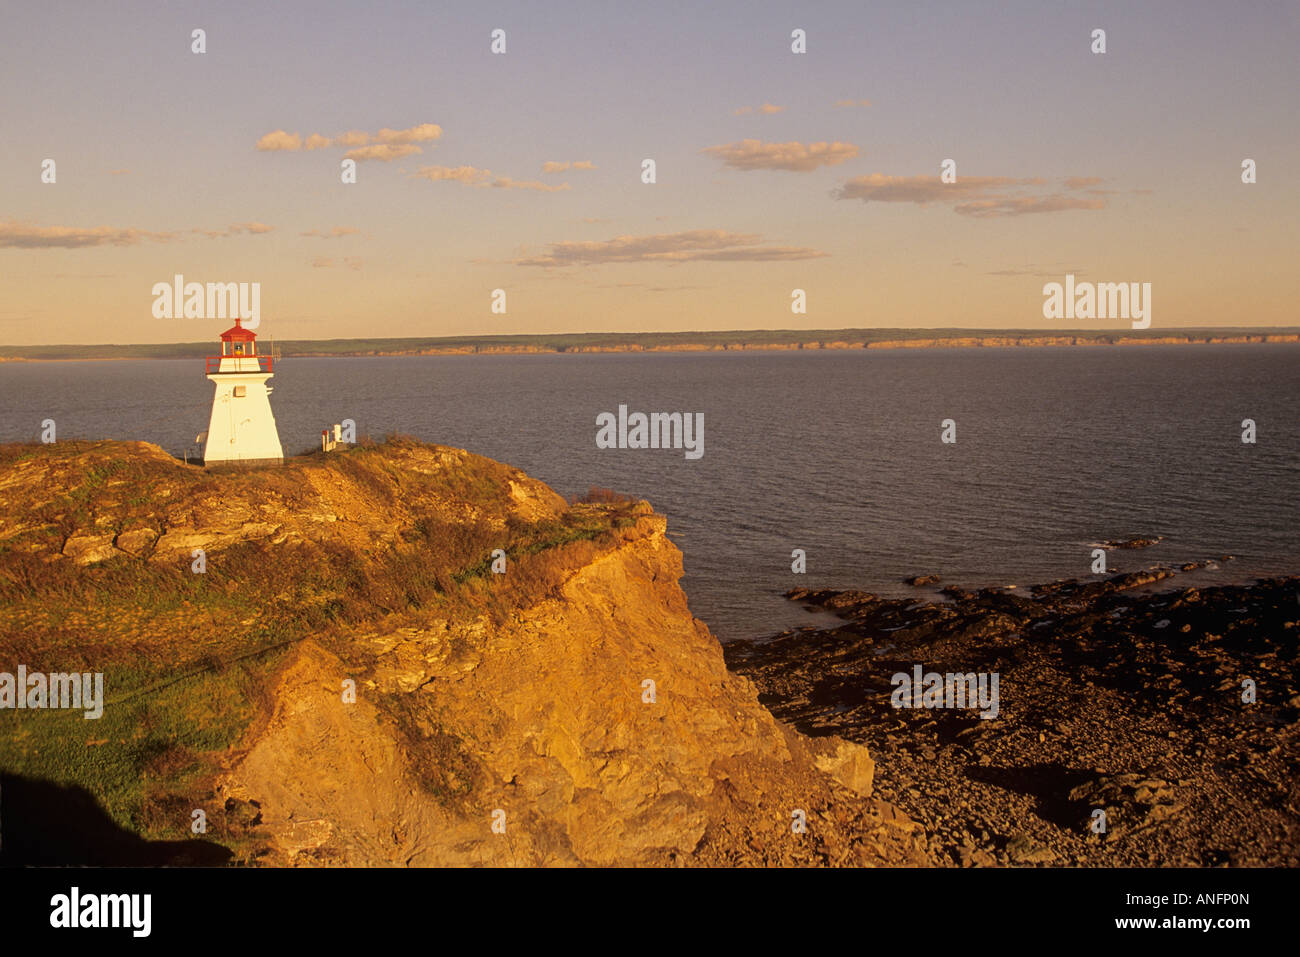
(237, 333)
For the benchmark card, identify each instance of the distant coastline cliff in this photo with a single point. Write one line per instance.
(731, 341)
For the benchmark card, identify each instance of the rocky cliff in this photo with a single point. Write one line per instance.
(322, 660)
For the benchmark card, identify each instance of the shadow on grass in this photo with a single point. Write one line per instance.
(43, 824)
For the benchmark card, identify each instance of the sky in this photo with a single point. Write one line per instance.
(522, 171)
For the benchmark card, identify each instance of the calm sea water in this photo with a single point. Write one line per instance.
(834, 453)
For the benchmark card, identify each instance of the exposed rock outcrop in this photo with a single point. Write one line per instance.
(1133, 728)
(547, 726)
(384, 695)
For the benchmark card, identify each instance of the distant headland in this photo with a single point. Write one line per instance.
(729, 341)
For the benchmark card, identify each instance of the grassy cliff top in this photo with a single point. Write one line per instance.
(98, 574)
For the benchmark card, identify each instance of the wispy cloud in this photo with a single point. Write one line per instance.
(554, 166)
(648, 287)
(326, 262)
(250, 229)
(384, 152)
(1038, 269)
(19, 236)
(695, 245)
(280, 141)
(766, 108)
(400, 142)
(26, 236)
(979, 196)
(469, 175)
(1023, 205)
(794, 156)
(879, 188)
(473, 176)
(505, 182)
(1089, 185)
(849, 104)
(334, 233)
(424, 133)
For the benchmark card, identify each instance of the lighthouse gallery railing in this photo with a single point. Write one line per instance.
(238, 364)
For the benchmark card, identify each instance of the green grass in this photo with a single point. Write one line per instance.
(128, 757)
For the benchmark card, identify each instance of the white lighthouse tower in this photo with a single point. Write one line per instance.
(242, 429)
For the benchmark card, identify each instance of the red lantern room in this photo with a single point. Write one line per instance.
(238, 353)
(238, 341)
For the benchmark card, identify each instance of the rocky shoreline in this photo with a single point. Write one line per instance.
(1112, 697)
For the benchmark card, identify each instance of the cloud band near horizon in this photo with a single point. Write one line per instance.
(714, 245)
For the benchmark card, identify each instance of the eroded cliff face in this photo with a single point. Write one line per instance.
(546, 726)
(570, 711)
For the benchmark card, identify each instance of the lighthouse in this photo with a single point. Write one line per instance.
(242, 428)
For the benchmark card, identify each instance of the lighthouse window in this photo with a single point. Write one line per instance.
(239, 348)
(240, 391)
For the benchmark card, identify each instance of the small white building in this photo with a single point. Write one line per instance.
(242, 428)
